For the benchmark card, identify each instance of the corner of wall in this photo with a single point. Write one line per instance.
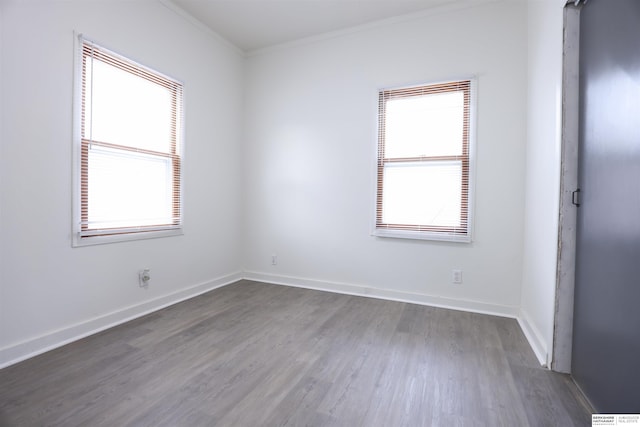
(535, 338)
(542, 188)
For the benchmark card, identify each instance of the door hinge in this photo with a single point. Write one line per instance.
(575, 197)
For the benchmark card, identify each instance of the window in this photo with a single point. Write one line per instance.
(423, 164)
(128, 150)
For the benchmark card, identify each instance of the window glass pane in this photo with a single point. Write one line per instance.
(128, 189)
(425, 125)
(125, 109)
(423, 193)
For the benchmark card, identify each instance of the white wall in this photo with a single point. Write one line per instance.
(301, 185)
(310, 154)
(544, 91)
(49, 291)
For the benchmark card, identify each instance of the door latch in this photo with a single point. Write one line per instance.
(575, 197)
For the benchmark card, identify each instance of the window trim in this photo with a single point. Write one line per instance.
(379, 229)
(82, 236)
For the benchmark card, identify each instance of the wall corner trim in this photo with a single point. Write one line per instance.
(385, 294)
(534, 337)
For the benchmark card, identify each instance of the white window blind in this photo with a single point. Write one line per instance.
(130, 163)
(423, 165)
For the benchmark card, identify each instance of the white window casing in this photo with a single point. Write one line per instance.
(127, 147)
(425, 161)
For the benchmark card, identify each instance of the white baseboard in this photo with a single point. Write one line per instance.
(35, 346)
(387, 294)
(535, 338)
(531, 333)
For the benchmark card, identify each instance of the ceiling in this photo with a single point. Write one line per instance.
(256, 24)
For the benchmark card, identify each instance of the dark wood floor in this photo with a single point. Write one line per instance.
(253, 354)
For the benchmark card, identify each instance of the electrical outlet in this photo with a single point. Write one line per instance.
(456, 276)
(274, 259)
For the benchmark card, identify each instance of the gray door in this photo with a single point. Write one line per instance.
(606, 338)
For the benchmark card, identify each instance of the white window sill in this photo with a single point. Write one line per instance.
(79, 241)
(422, 235)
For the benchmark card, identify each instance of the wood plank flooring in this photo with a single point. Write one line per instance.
(253, 354)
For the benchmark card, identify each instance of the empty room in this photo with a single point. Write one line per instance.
(309, 212)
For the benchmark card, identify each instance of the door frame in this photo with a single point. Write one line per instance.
(566, 262)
